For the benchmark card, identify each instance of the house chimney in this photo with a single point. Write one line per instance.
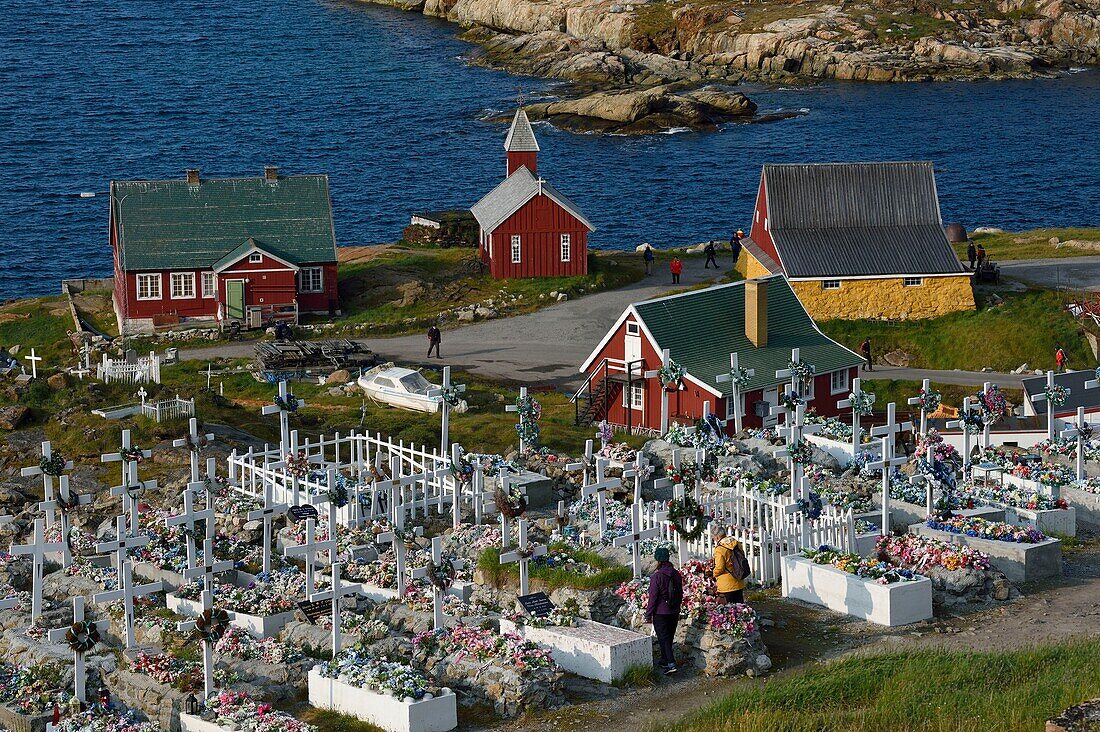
(756, 312)
(271, 174)
(192, 176)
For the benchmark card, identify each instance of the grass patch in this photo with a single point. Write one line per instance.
(553, 578)
(899, 390)
(1026, 328)
(329, 721)
(931, 691)
(1031, 244)
(639, 676)
(41, 323)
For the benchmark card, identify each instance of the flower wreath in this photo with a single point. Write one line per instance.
(406, 535)
(800, 452)
(338, 494)
(801, 370)
(528, 408)
(196, 444)
(670, 375)
(136, 491)
(297, 464)
(82, 636)
(929, 400)
(197, 531)
(528, 431)
(211, 625)
(1085, 430)
(450, 395)
(739, 377)
(512, 504)
(791, 400)
(527, 552)
(811, 506)
(972, 422)
(132, 454)
(53, 465)
(442, 575)
(287, 404)
(216, 486)
(1056, 395)
(684, 510)
(862, 403)
(462, 470)
(994, 406)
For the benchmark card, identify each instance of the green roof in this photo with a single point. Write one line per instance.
(174, 225)
(702, 328)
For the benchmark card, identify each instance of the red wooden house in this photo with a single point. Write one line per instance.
(760, 320)
(247, 250)
(527, 227)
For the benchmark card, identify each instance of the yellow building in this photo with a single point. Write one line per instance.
(857, 240)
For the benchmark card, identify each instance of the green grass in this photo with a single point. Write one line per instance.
(1031, 244)
(639, 676)
(40, 323)
(931, 691)
(1027, 327)
(328, 721)
(610, 575)
(899, 390)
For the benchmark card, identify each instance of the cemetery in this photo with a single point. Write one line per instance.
(194, 576)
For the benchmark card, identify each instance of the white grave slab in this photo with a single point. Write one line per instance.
(589, 649)
(438, 714)
(895, 604)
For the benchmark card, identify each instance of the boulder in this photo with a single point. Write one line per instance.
(340, 376)
(11, 417)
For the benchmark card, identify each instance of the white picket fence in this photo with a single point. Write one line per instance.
(169, 409)
(146, 369)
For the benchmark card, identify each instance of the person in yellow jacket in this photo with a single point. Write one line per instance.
(730, 566)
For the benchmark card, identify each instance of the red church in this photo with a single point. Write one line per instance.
(760, 320)
(195, 251)
(527, 227)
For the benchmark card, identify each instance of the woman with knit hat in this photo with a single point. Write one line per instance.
(666, 593)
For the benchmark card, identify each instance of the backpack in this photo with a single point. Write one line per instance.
(739, 564)
(675, 591)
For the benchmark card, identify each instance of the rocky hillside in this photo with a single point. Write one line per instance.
(648, 42)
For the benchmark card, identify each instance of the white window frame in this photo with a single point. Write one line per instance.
(729, 406)
(830, 284)
(255, 258)
(636, 392)
(632, 328)
(809, 395)
(566, 247)
(209, 285)
(843, 386)
(302, 283)
(517, 249)
(912, 281)
(187, 282)
(148, 278)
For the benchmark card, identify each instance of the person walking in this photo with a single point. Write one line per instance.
(675, 267)
(666, 593)
(434, 339)
(971, 251)
(981, 255)
(731, 566)
(736, 246)
(710, 250)
(647, 257)
(865, 350)
(1060, 360)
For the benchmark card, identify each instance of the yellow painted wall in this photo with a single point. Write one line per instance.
(886, 298)
(749, 267)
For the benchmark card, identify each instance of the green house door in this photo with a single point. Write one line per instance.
(234, 299)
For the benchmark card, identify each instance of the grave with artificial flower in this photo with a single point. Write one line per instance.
(262, 604)
(230, 711)
(959, 574)
(1024, 554)
(98, 718)
(28, 693)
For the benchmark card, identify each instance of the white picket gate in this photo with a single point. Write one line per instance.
(169, 409)
(146, 369)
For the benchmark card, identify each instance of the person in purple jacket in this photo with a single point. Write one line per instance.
(666, 592)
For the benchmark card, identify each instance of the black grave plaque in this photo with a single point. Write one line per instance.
(314, 611)
(537, 604)
(301, 513)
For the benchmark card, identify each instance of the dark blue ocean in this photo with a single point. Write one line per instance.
(383, 101)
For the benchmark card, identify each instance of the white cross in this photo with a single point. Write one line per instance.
(142, 394)
(127, 592)
(794, 431)
(599, 489)
(1078, 431)
(636, 537)
(209, 567)
(390, 537)
(335, 594)
(73, 500)
(47, 479)
(268, 514)
(888, 432)
(731, 377)
(1042, 397)
(130, 481)
(394, 489)
(700, 459)
(987, 423)
(505, 478)
(189, 519)
(284, 416)
(37, 550)
(522, 418)
(585, 464)
(796, 385)
(437, 594)
(309, 551)
(34, 363)
(960, 424)
(329, 544)
(122, 544)
(848, 403)
(522, 554)
(207, 646)
(444, 407)
(927, 480)
(925, 387)
(456, 498)
(58, 636)
(197, 439)
(8, 603)
(666, 359)
(635, 472)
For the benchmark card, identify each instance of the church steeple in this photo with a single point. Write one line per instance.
(521, 146)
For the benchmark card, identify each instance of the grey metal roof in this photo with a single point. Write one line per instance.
(1078, 395)
(761, 256)
(514, 191)
(521, 138)
(852, 219)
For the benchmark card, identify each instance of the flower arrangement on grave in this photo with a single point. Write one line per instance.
(297, 464)
(1060, 446)
(791, 400)
(833, 429)
(972, 421)
(618, 451)
(289, 403)
(471, 539)
(483, 644)
(810, 506)
(1056, 395)
(802, 371)
(701, 602)
(379, 573)
(605, 432)
(739, 377)
(690, 472)
(463, 468)
(238, 643)
(491, 464)
(234, 710)
(211, 625)
(511, 504)
(863, 526)
(528, 431)
(687, 517)
(98, 718)
(562, 616)
(165, 668)
(442, 575)
(105, 577)
(872, 570)
(863, 403)
(994, 406)
(338, 494)
(941, 451)
(30, 690)
(270, 594)
(800, 452)
(982, 529)
(922, 553)
(132, 454)
(82, 636)
(941, 472)
(1019, 498)
(198, 443)
(357, 667)
(929, 400)
(53, 465)
(671, 375)
(451, 395)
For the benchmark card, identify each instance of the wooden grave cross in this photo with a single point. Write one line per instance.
(444, 407)
(586, 464)
(794, 431)
(437, 594)
(7, 603)
(1079, 432)
(523, 553)
(1042, 397)
(130, 482)
(37, 550)
(47, 479)
(337, 592)
(390, 537)
(732, 377)
(58, 636)
(209, 567)
(636, 537)
(122, 544)
(522, 418)
(927, 481)
(268, 514)
(71, 501)
(207, 645)
(599, 489)
(34, 363)
(849, 403)
(960, 424)
(888, 432)
(189, 519)
(194, 441)
(284, 416)
(925, 387)
(456, 494)
(308, 551)
(666, 359)
(328, 545)
(127, 592)
(795, 383)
